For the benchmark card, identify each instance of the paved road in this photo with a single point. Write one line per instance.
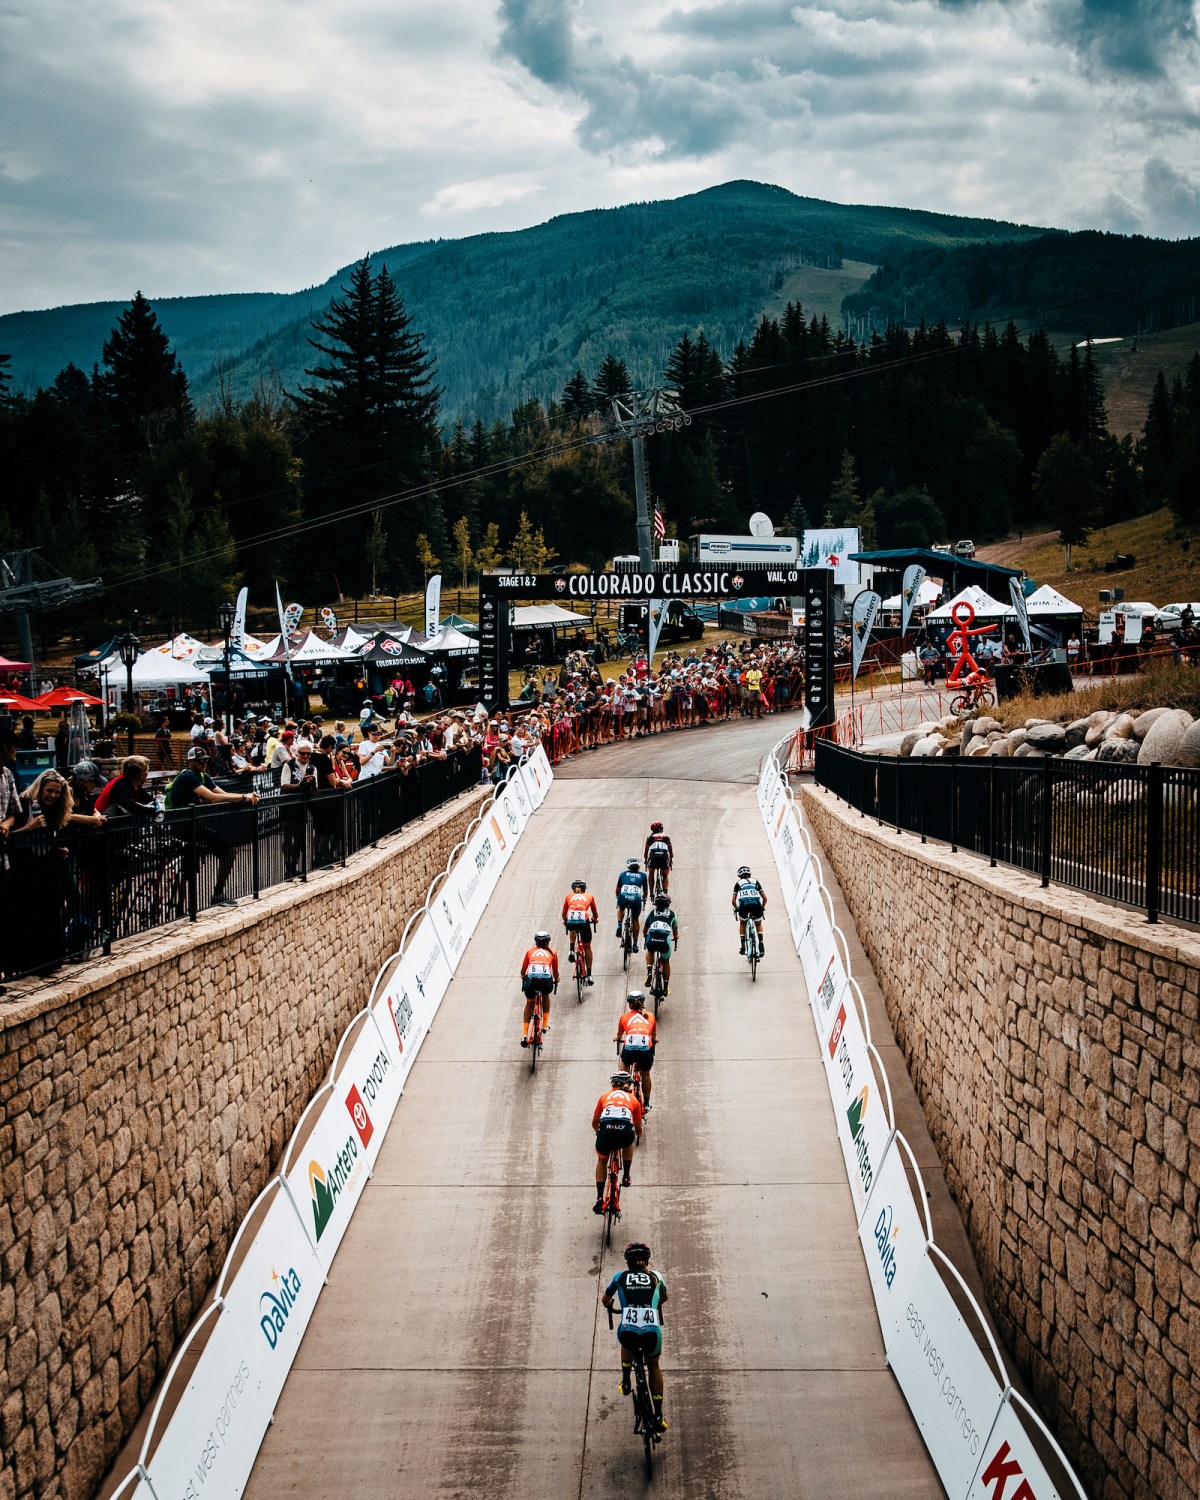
(460, 1348)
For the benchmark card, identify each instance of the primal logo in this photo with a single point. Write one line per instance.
(835, 1035)
(327, 1187)
(856, 1117)
(886, 1232)
(275, 1304)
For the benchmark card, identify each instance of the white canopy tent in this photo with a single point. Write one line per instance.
(985, 607)
(1048, 601)
(547, 614)
(926, 595)
(450, 642)
(306, 647)
(154, 670)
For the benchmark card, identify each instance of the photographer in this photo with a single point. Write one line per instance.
(298, 774)
(375, 754)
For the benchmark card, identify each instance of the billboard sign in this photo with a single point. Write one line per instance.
(830, 547)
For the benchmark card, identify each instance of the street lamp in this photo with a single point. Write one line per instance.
(226, 616)
(127, 648)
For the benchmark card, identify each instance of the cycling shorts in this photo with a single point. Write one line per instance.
(630, 898)
(643, 1056)
(537, 984)
(579, 924)
(658, 861)
(747, 909)
(656, 944)
(614, 1137)
(647, 1341)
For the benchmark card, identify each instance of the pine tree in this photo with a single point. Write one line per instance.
(612, 379)
(1070, 493)
(144, 387)
(577, 400)
(843, 497)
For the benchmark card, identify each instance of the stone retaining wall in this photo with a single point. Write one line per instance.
(1053, 1042)
(144, 1103)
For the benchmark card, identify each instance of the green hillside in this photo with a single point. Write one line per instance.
(512, 316)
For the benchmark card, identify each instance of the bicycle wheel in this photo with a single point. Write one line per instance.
(626, 942)
(645, 1416)
(753, 962)
(961, 705)
(985, 697)
(535, 1039)
(580, 973)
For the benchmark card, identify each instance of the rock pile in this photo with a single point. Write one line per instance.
(1167, 735)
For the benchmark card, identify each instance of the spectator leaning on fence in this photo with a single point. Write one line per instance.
(126, 795)
(52, 806)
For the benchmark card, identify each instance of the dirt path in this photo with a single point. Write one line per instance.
(1011, 551)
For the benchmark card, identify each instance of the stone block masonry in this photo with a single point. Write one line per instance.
(144, 1103)
(1053, 1041)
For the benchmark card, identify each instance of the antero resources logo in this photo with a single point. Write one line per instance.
(327, 1186)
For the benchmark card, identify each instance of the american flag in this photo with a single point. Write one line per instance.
(660, 524)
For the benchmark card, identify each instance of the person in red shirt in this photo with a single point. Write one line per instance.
(539, 976)
(617, 1121)
(580, 916)
(637, 1037)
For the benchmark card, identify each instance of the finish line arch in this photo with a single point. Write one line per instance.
(498, 590)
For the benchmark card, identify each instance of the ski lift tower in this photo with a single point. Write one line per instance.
(28, 585)
(635, 414)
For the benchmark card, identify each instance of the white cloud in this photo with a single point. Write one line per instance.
(220, 146)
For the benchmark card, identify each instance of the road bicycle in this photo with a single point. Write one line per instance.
(635, 1073)
(611, 1202)
(975, 695)
(645, 1423)
(149, 886)
(657, 983)
(579, 962)
(752, 945)
(658, 880)
(626, 936)
(535, 1033)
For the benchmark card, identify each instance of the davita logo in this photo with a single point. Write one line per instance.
(275, 1304)
(885, 1240)
(856, 1116)
(325, 1187)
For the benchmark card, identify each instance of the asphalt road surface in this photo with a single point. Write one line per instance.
(460, 1348)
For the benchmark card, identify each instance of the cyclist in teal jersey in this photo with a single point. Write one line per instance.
(641, 1293)
(631, 893)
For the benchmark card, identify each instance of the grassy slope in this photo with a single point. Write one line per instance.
(1163, 574)
(819, 291)
(1130, 368)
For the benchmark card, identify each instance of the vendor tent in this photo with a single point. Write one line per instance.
(384, 650)
(154, 670)
(451, 643)
(457, 622)
(305, 647)
(531, 615)
(14, 666)
(92, 660)
(926, 595)
(985, 607)
(240, 664)
(182, 647)
(1048, 601)
(350, 639)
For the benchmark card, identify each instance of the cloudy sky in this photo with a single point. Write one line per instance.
(186, 146)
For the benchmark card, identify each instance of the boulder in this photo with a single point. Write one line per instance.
(1099, 723)
(1188, 753)
(1049, 738)
(909, 740)
(953, 745)
(1077, 731)
(1080, 752)
(1145, 722)
(985, 725)
(1016, 739)
(1033, 723)
(1027, 752)
(999, 747)
(1119, 750)
(928, 744)
(978, 747)
(1121, 728)
(1165, 737)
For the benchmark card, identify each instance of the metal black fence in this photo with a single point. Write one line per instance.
(66, 895)
(1128, 833)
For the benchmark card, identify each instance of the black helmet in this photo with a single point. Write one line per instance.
(622, 1080)
(541, 939)
(632, 864)
(656, 828)
(743, 872)
(579, 885)
(662, 901)
(637, 1252)
(636, 999)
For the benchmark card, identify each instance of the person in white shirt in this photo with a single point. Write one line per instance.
(374, 755)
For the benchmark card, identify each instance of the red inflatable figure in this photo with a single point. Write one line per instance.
(959, 646)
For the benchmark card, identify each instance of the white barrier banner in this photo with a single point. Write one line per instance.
(950, 1388)
(273, 1295)
(893, 1238)
(775, 810)
(414, 992)
(447, 919)
(473, 879)
(331, 1169)
(538, 776)
(512, 811)
(210, 1443)
(791, 857)
(815, 941)
(370, 1079)
(766, 783)
(862, 1123)
(1008, 1459)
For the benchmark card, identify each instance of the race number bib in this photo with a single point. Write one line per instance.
(639, 1319)
(636, 1041)
(616, 1114)
(538, 971)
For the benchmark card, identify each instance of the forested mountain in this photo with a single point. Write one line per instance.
(512, 315)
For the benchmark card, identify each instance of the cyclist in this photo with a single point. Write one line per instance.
(631, 893)
(658, 853)
(641, 1288)
(637, 1034)
(580, 915)
(749, 900)
(617, 1121)
(661, 937)
(539, 976)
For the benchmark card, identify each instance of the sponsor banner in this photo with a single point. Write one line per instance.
(369, 1078)
(830, 547)
(950, 1388)
(414, 992)
(863, 614)
(330, 1169)
(910, 592)
(433, 606)
(893, 1238)
(791, 856)
(538, 776)
(815, 941)
(473, 879)
(1021, 609)
(777, 804)
(1108, 624)
(766, 784)
(1010, 1466)
(272, 1297)
(210, 1443)
(509, 814)
(862, 1123)
(446, 916)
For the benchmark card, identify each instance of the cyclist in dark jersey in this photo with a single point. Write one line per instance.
(749, 903)
(641, 1293)
(658, 854)
(631, 893)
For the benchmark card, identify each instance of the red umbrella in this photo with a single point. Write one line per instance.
(63, 697)
(14, 703)
(14, 666)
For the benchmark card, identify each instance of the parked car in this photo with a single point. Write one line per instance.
(965, 548)
(1170, 616)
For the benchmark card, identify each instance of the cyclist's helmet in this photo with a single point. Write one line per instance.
(662, 901)
(579, 885)
(622, 1080)
(637, 1253)
(636, 999)
(744, 872)
(656, 828)
(632, 864)
(541, 939)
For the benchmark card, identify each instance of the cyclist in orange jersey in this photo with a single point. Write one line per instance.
(637, 1036)
(580, 916)
(539, 976)
(617, 1121)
